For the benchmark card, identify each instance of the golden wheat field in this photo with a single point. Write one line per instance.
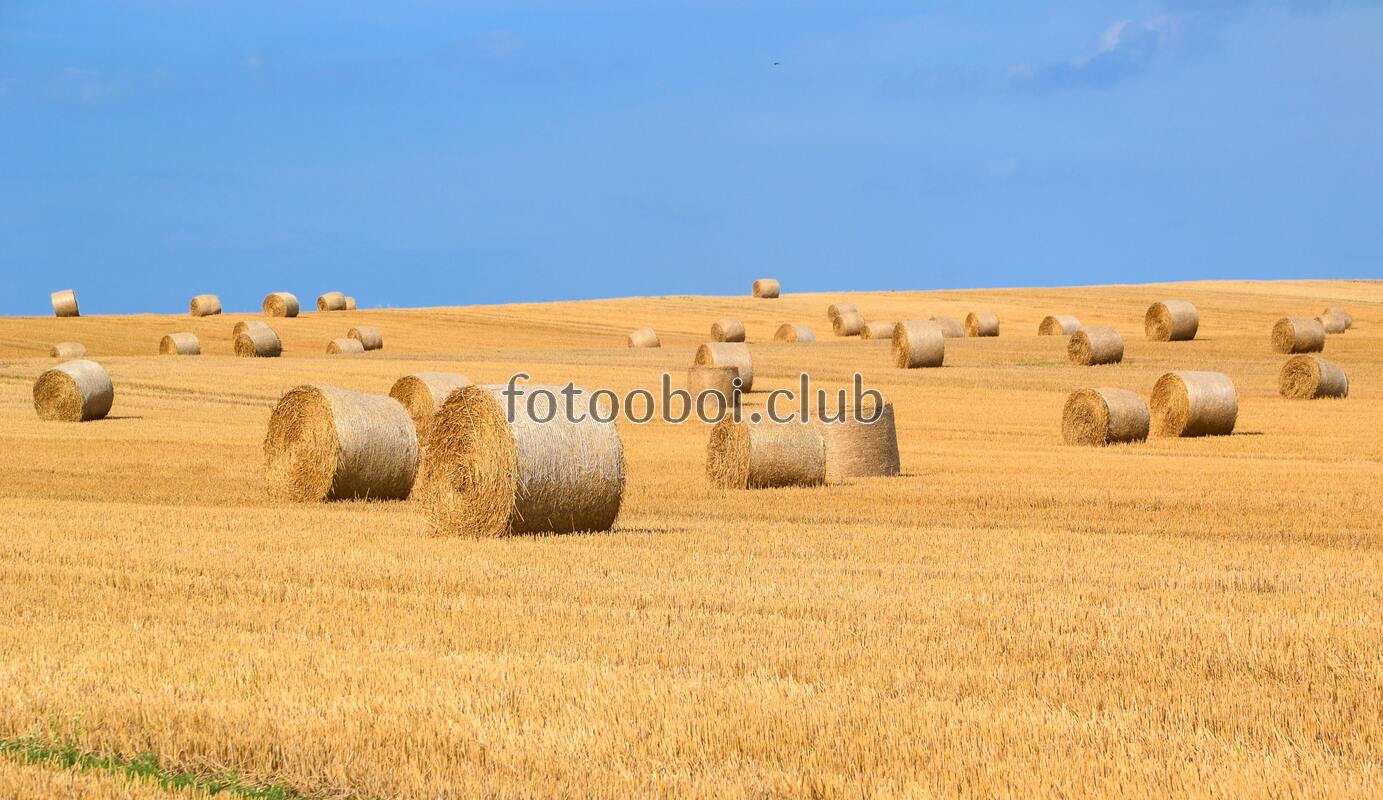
(1011, 617)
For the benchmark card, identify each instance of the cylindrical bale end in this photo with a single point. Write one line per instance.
(766, 288)
(1097, 344)
(1194, 404)
(917, 343)
(982, 323)
(1310, 377)
(1100, 417)
(74, 391)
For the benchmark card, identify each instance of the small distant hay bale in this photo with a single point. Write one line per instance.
(1298, 335)
(281, 304)
(717, 380)
(1171, 321)
(855, 449)
(644, 337)
(981, 323)
(1333, 323)
(1098, 344)
(848, 324)
(65, 303)
(1310, 377)
(1194, 404)
(918, 343)
(245, 325)
(422, 393)
(344, 347)
(258, 343)
(834, 310)
(74, 391)
(332, 444)
(368, 336)
(1058, 325)
(350, 303)
(331, 301)
(789, 332)
(950, 328)
(1104, 416)
(180, 344)
(765, 455)
(766, 288)
(728, 354)
(1342, 314)
(487, 476)
(877, 329)
(205, 305)
(67, 350)
(727, 330)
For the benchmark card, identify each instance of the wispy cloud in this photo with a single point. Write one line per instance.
(1125, 49)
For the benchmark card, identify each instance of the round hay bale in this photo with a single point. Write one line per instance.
(422, 393)
(245, 325)
(1104, 416)
(1171, 321)
(67, 350)
(1342, 314)
(281, 304)
(788, 332)
(1194, 404)
(331, 301)
(766, 288)
(950, 328)
(74, 391)
(65, 303)
(258, 343)
(727, 330)
(834, 310)
(1058, 325)
(765, 455)
(350, 303)
(918, 344)
(981, 323)
(1332, 323)
(368, 336)
(205, 305)
(848, 324)
(344, 346)
(877, 329)
(728, 354)
(855, 449)
(331, 444)
(716, 380)
(1309, 377)
(1098, 344)
(1297, 335)
(488, 476)
(644, 337)
(180, 344)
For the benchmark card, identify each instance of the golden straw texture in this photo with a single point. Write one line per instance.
(789, 332)
(281, 304)
(1171, 321)
(950, 328)
(1194, 404)
(981, 323)
(877, 329)
(205, 305)
(245, 325)
(65, 303)
(1098, 344)
(765, 455)
(849, 323)
(180, 344)
(369, 336)
(727, 330)
(728, 354)
(67, 350)
(766, 288)
(344, 346)
(834, 310)
(1058, 325)
(719, 381)
(422, 393)
(1104, 416)
(644, 337)
(1310, 377)
(1344, 316)
(331, 301)
(918, 343)
(1332, 323)
(1298, 335)
(856, 449)
(349, 303)
(74, 391)
(258, 343)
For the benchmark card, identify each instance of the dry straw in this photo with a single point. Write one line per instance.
(1098, 344)
(67, 350)
(205, 305)
(281, 304)
(245, 325)
(917, 343)
(350, 303)
(877, 329)
(331, 301)
(1342, 314)
(950, 328)
(765, 455)
(422, 393)
(1058, 325)
(834, 310)
(766, 288)
(719, 381)
(1333, 323)
(1297, 335)
(1309, 377)
(727, 330)
(644, 337)
(981, 323)
(486, 475)
(74, 391)
(1171, 321)
(331, 444)
(1104, 416)
(1194, 404)
(849, 323)
(789, 332)
(344, 346)
(855, 449)
(65, 303)
(180, 344)
(369, 336)
(258, 343)
(728, 354)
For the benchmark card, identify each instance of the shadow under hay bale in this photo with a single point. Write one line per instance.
(258, 343)
(67, 350)
(331, 301)
(1297, 335)
(369, 336)
(728, 354)
(766, 288)
(789, 332)
(1098, 344)
(205, 305)
(1171, 321)
(981, 323)
(644, 337)
(1194, 404)
(281, 304)
(1311, 377)
(727, 330)
(765, 455)
(918, 343)
(337, 347)
(1104, 416)
(75, 391)
(180, 344)
(1058, 325)
(65, 303)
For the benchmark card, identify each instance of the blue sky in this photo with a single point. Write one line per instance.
(428, 153)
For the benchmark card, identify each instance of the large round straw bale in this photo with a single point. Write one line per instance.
(789, 332)
(1342, 314)
(1171, 321)
(877, 329)
(1194, 404)
(350, 303)
(486, 475)
(917, 343)
(848, 324)
(1058, 325)
(331, 301)
(765, 455)
(1098, 344)
(855, 449)
(368, 336)
(1332, 323)
(982, 323)
(74, 391)
(717, 380)
(728, 354)
(1104, 416)
(65, 303)
(1298, 335)
(180, 344)
(950, 328)
(834, 310)
(205, 305)
(258, 343)
(344, 346)
(245, 325)
(644, 337)
(281, 304)
(422, 393)
(766, 288)
(67, 350)
(331, 444)
(727, 330)
(1309, 377)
